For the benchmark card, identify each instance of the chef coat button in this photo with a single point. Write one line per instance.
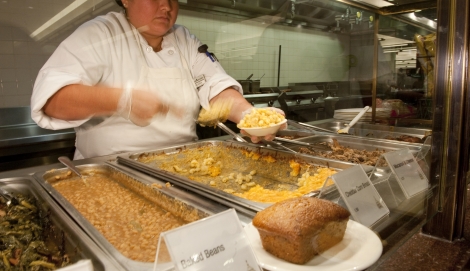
(170, 52)
(149, 49)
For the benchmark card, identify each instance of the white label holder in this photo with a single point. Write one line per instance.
(362, 199)
(407, 171)
(216, 243)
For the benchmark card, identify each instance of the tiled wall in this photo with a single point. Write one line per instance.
(243, 47)
(20, 61)
(247, 47)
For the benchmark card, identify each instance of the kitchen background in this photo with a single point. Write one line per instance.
(243, 46)
(312, 56)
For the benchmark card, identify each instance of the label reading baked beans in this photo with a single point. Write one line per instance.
(200, 256)
(192, 260)
(214, 251)
(214, 243)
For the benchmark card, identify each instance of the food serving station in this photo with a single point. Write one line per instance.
(319, 61)
(161, 177)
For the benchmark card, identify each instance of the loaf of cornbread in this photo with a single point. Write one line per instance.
(297, 229)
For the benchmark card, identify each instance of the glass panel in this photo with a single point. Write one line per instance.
(406, 68)
(320, 61)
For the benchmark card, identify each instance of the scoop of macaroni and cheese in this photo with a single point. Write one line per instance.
(261, 117)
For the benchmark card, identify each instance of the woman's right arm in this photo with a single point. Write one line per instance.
(76, 102)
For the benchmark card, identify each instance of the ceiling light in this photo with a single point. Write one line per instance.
(394, 45)
(57, 17)
(68, 14)
(407, 49)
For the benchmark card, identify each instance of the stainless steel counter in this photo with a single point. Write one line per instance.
(403, 221)
(23, 143)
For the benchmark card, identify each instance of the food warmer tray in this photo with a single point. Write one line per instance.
(137, 183)
(269, 176)
(359, 143)
(77, 244)
(375, 130)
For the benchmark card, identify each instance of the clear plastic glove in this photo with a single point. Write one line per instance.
(124, 105)
(141, 107)
(256, 139)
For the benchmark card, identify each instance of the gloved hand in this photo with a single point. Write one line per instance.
(256, 139)
(124, 105)
(141, 107)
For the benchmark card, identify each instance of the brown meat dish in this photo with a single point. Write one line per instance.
(346, 154)
(406, 138)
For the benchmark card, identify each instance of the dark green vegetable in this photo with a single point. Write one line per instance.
(24, 238)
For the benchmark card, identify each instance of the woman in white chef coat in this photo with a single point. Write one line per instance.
(125, 82)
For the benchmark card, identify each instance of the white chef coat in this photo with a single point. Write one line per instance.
(109, 51)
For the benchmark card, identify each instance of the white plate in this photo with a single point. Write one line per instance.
(359, 249)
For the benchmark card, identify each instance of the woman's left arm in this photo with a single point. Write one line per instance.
(239, 103)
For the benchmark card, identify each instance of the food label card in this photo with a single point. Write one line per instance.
(361, 197)
(409, 174)
(214, 243)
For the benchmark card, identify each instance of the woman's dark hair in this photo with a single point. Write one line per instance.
(119, 2)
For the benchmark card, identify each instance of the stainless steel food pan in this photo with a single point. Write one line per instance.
(161, 197)
(360, 143)
(375, 130)
(76, 243)
(235, 158)
(294, 134)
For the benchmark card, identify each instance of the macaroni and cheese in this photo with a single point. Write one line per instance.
(261, 117)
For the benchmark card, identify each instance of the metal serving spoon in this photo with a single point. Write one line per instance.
(68, 163)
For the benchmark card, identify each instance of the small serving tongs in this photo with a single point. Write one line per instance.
(229, 131)
(10, 199)
(304, 144)
(66, 161)
(275, 144)
(345, 130)
(301, 125)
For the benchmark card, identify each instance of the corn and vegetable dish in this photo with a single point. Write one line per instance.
(243, 173)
